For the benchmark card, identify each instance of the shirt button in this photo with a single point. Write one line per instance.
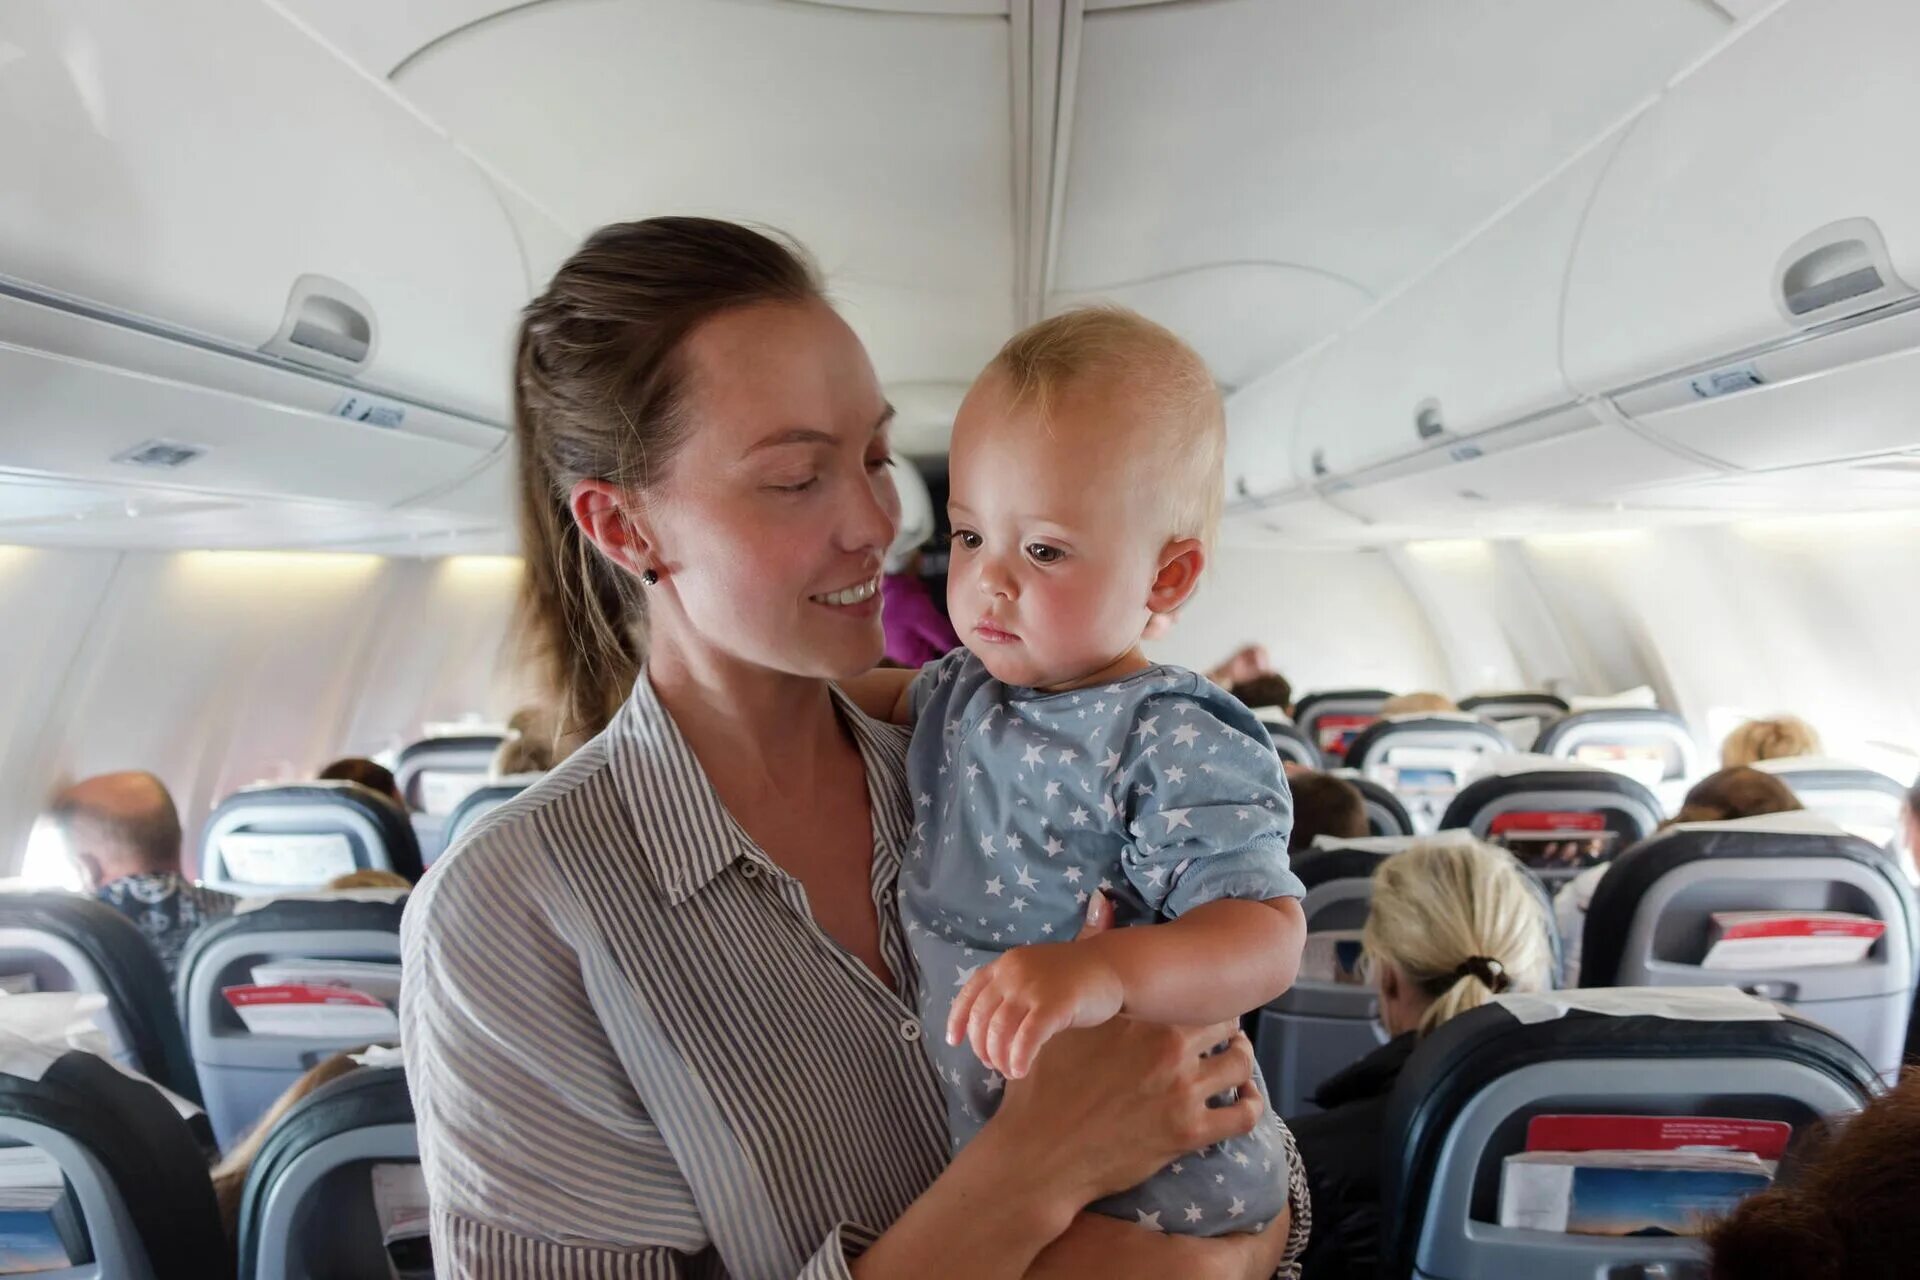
(750, 869)
(909, 1030)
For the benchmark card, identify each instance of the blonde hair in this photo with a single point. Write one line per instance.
(230, 1175)
(529, 745)
(1405, 704)
(1771, 739)
(1443, 903)
(1163, 376)
(369, 878)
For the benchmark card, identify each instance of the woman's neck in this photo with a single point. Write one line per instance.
(762, 724)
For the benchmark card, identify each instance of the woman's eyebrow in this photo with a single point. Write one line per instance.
(797, 435)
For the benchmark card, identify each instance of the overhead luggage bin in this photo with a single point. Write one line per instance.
(67, 942)
(1651, 920)
(1461, 1104)
(1864, 801)
(141, 1203)
(242, 1072)
(309, 1211)
(275, 839)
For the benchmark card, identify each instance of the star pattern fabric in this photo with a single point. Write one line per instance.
(1027, 802)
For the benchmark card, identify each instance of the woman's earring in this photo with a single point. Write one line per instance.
(649, 578)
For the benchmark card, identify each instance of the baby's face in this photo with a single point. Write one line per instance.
(1056, 536)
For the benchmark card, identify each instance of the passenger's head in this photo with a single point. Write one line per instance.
(1910, 823)
(528, 746)
(369, 878)
(1268, 690)
(689, 409)
(230, 1175)
(373, 777)
(1407, 704)
(1774, 738)
(1736, 793)
(118, 825)
(1324, 805)
(1453, 923)
(1085, 488)
(1844, 1211)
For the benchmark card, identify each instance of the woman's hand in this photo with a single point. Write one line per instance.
(1096, 1245)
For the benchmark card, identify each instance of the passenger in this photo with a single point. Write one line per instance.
(700, 902)
(1775, 738)
(1085, 483)
(1408, 704)
(529, 745)
(369, 878)
(230, 1175)
(1843, 1207)
(374, 777)
(1453, 922)
(1245, 663)
(918, 631)
(1263, 691)
(1733, 793)
(123, 833)
(1324, 805)
(1910, 826)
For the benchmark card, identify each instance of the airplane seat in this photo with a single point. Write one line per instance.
(1652, 746)
(480, 802)
(1424, 758)
(1557, 816)
(1463, 1102)
(1650, 920)
(137, 1202)
(1293, 744)
(1386, 816)
(435, 774)
(241, 1072)
(277, 838)
(1333, 719)
(1317, 1028)
(1864, 801)
(1521, 705)
(67, 942)
(308, 1211)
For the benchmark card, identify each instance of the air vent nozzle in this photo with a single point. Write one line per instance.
(163, 454)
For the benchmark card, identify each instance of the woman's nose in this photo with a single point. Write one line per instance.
(874, 517)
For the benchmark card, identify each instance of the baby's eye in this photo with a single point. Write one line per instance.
(967, 538)
(1044, 554)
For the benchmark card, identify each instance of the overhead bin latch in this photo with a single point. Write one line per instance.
(1841, 269)
(327, 326)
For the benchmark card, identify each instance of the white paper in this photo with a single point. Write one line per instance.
(381, 1056)
(441, 790)
(258, 857)
(321, 1021)
(38, 1029)
(1688, 1004)
(381, 980)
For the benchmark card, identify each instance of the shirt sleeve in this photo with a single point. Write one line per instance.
(1207, 807)
(941, 671)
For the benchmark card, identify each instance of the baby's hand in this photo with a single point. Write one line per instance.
(1023, 999)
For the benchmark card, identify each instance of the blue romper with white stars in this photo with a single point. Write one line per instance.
(1160, 790)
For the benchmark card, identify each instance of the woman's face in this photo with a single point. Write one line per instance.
(772, 524)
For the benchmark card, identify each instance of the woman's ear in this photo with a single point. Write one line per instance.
(606, 515)
(1181, 562)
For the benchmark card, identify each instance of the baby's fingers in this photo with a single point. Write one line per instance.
(1038, 1028)
(1006, 1020)
(963, 1006)
(981, 1018)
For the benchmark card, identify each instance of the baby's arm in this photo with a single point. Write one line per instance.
(882, 693)
(1212, 964)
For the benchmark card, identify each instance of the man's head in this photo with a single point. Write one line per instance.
(1324, 805)
(118, 825)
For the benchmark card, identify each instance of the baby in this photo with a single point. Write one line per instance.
(1051, 760)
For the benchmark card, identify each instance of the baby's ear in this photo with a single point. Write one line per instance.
(1180, 564)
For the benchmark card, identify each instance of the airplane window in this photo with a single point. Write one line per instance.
(46, 865)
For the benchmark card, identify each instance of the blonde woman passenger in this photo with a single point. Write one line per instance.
(1772, 738)
(1453, 923)
(1052, 761)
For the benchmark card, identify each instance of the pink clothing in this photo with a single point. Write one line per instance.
(917, 632)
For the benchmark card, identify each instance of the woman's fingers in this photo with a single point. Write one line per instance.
(1232, 1121)
(1233, 1067)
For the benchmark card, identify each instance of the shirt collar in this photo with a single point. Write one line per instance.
(687, 835)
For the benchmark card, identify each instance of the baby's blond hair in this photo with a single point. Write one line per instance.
(1185, 439)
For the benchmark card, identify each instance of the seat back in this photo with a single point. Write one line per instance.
(1864, 801)
(1333, 719)
(435, 774)
(308, 1210)
(1557, 817)
(477, 804)
(1425, 759)
(1293, 744)
(1514, 706)
(1651, 746)
(1462, 1104)
(275, 839)
(1386, 816)
(1650, 919)
(242, 1073)
(136, 1202)
(69, 943)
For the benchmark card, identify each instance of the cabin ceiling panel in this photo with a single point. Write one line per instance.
(881, 140)
(1360, 140)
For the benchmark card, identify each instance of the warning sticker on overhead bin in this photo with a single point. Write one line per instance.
(1724, 382)
(360, 407)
